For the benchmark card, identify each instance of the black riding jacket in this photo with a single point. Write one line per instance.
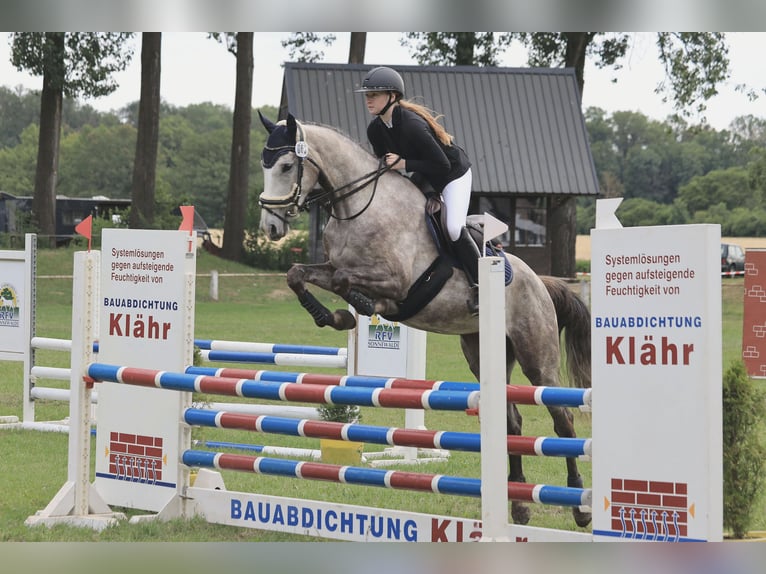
(412, 139)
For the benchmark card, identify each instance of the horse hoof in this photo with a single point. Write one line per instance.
(581, 518)
(344, 320)
(520, 513)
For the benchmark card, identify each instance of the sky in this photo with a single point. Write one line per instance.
(195, 69)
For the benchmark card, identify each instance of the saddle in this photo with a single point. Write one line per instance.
(428, 285)
(436, 219)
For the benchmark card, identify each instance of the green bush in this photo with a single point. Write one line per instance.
(340, 413)
(279, 256)
(744, 409)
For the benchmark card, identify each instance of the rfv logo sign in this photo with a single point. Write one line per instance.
(382, 334)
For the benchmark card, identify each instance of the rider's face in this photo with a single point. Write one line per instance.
(375, 101)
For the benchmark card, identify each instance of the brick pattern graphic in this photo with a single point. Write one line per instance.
(754, 320)
(649, 510)
(135, 457)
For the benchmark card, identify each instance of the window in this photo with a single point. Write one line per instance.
(530, 222)
(529, 215)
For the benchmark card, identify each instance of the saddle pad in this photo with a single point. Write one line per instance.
(433, 214)
(491, 251)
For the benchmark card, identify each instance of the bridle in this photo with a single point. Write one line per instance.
(327, 198)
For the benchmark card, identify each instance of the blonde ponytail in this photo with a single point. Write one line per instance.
(431, 119)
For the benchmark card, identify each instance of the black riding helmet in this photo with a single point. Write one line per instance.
(383, 79)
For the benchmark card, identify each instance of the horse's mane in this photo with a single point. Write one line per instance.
(343, 135)
(356, 144)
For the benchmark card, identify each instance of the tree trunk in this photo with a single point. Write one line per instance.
(239, 172)
(357, 47)
(563, 217)
(562, 227)
(577, 46)
(46, 173)
(147, 139)
(464, 48)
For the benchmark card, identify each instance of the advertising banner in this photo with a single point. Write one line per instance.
(656, 348)
(147, 277)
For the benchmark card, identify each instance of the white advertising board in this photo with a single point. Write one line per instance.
(656, 349)
(387, 348)
(16, 301)
(147, 278)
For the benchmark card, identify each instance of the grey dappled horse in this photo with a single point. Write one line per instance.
(377, 244)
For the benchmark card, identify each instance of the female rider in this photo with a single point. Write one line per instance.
(407, 137)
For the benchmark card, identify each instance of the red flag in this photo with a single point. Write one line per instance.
(187, 211)
(85, 228)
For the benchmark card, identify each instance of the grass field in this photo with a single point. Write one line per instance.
(258, 307)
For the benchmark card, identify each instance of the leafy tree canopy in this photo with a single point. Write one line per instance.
(695, 63)
(90, 59)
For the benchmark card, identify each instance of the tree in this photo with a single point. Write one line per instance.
(145, 164)
(70, 63)
(97, 161)
(301, 45)
(18, 109)
(17, 163)
(727, 186)
(639, 211)
(748, 132)
(357, 47)
(241, 45)
(195, 164)
(695, 63)
(457, 48)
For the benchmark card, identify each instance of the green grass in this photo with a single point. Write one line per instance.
(259, 307)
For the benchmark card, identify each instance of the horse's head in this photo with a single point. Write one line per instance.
(282, 160)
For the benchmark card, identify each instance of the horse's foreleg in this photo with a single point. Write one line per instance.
(353, 286)
(519, 510)
(321, 276)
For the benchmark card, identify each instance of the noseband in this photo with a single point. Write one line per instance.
(292, 202)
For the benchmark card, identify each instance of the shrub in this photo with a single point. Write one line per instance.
(582, 266)
(744, 410)
(279, 256)
(339, 413)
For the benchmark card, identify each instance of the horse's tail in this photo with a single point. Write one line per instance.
(573, 318)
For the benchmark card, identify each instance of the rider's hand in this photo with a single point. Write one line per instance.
(394, 161)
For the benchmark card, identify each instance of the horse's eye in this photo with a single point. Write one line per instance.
(286, 167)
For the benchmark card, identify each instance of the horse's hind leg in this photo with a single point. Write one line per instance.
(563, 420)
(563, 425)
(470, 347)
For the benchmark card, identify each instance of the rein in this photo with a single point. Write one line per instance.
(325, 197)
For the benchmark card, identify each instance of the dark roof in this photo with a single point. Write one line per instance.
(522, 127)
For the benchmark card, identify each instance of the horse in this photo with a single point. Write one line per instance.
(377, 244)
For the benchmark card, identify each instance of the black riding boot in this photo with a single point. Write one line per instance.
(468, 253)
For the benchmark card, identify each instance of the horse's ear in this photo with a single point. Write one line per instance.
(292, 127)
(267, 123)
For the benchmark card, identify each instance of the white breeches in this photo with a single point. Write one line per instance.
(456, 196)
